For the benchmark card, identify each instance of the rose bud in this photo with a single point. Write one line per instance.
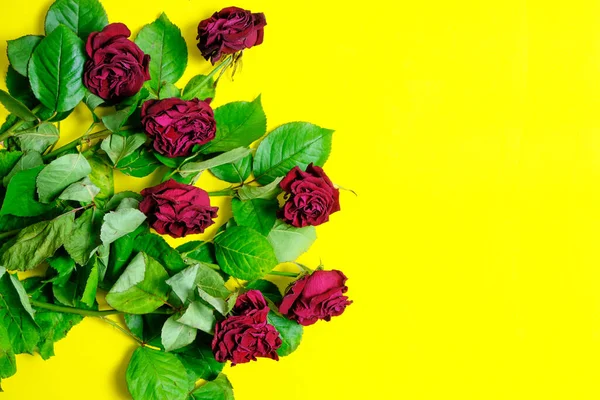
(228, 31)
(311, 197)
(177, 209)
(243, 338)
(117, 68)
(316, 296)
(177, 125)
(250, 303)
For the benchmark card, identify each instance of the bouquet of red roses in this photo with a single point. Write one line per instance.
(191, 308)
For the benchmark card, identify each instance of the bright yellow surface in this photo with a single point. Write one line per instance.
(471, 131)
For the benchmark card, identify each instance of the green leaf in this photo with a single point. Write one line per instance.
(199, 87)
(176, 335)
(244, 253)
(64, 267)
(54, 326)
(15, 107)
(59, 174)
(268, 289)
(141, 289)
(139, 164)
(83, 191)
(268, 192)
(29, 160)
(289, 331)
(236, 172)
(8, 362)
(20, 50)
(36, 243)
(239, 124)
(89, 278)
(55, 70)
(296, 144)
(18, 87)
(156, 247)
(118, 147)
(199, 362)
(193, 168)
(199, 275)
(101, 176)
(120, 222)
(198, 316)
(170, 162)
(20, 195)
(290, 242)
(15, 316)
(219, 389)
(258, 214)
(162, 40)
(38, 139)
(168, 90)
(8, 159)
(81, 16)
(155, 375)
(122, 251)
(197, 252)
(219, 304)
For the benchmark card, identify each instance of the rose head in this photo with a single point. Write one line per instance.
(316, 296)
(228, 31)
(117, 68)
(177, 125)
(250, 303)
(311, 197)
(243, 338)
(177, 209)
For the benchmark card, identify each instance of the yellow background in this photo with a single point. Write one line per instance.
(471, 132)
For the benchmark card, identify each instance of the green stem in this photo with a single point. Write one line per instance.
(11, 130)
(226, 63)
(85, 138)
(119, 327)
(226, 192)
(72, 310)
(283, 273)
(9, 234)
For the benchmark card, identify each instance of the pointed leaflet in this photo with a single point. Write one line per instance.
(118, 147)
(199, 87)
(59, 174)
(268, 289)
(258, 214)
(198, 316)
(120, 222)
(8, 159)
(236, 172)
(64, 267)
(36, 243)
(29, 160)
(163, 42)
(85, 237)
(194, 168)
(141, 289)
(176, 335)
(83, 191)
(268, 192)
(156, 247)
(290, 242)
(296, 144)
(19, 52)
(38, 139)
(15, 316)
(20, 195)
(289, 331)
(244, 253)
(15, 107)
(219, 389)
(197, 252)
(199, 362)
(19, 88)
(102, 177)
(139, 164)
(239, 124)
(55, 70)
(81, 16)
(155, 375)
(199, 275)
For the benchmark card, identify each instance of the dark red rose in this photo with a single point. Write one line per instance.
(117, 68)
(243, 338)
(228, 31)
(250, 303)
(316, 296)
(177, 125)
(311, 197)
(177, 209)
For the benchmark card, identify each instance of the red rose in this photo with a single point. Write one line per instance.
(177, 125)
(316, 296)
(244, 337)
(311, 197)
(228, 31)
(177, 209)
(117, 67)
(251, 302)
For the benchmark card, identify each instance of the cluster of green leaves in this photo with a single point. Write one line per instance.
(58, 209)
